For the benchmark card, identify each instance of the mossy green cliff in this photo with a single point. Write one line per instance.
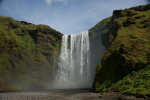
(28, 54)
(126, 35)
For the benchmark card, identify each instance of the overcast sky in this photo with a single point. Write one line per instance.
(66, 16)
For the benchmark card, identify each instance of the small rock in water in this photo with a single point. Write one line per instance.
(100, 96)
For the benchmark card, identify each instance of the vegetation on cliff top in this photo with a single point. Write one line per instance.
(28, 54)
(126, 35)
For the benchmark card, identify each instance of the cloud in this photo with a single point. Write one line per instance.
(49, 2)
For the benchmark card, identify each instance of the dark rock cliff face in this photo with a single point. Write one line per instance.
(96, 47)
(126, 35)
(28, 54)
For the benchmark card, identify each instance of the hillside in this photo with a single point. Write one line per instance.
(28, 54)
(125, 65)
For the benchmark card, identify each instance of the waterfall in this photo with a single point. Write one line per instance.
(74, 68)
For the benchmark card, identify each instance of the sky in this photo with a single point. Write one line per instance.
(66, 16)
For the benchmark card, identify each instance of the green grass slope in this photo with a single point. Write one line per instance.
(28, 54)
(136, 83)
(126, 35)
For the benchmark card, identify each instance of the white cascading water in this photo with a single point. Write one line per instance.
(77, 61)
(74, 62)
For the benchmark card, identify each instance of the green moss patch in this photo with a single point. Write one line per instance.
(28, 54)
(126, 35)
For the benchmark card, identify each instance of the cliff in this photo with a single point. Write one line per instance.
(124, 67)
(28, 54)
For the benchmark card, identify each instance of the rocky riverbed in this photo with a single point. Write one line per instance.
(68, 94)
